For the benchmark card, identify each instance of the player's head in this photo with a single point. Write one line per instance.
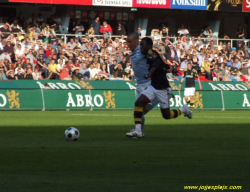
(189, 65)
(133, 41)
(146, 44)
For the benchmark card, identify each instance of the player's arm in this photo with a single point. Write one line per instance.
(152, 70)
(182, 79)
(157, 63)
(198, 77)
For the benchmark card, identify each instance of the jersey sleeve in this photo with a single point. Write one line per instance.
(157, 62)
(195, 73)
(184, 74)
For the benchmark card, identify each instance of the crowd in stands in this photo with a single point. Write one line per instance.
(33, 50)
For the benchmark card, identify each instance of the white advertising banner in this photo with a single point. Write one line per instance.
(115, 3)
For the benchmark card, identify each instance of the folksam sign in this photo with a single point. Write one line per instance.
(189, 4)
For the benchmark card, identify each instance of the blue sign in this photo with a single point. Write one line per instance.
(189, 4)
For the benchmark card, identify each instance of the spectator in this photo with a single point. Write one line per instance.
(138, 31)
(62, 29)
(211, 37)
(51, 22)
(97, 25)
(103, 73)
(123, 62)
(163, 24)
(37, 75)
(118, 71)
(184, 64)
(217, 73)
(28, 75)
(40, 19)
(72, 43)
(196, 63)
(78, 28)
(121, 29)
(6, 29)
(122, 40)
(161, 47)
(206, 31)
(171, 53)
(118, 57)
(41, 64)
(155, 35)
(106, 28)
(30, 58)
(5, 55)
(53, 70)
(57, 19)
(21, 21)
(19, 52)
(127, 71)
(91, 31)
(239, 46)
(199, 41)
(245, 70)
(15, 29)
(2, 74)
(187, 44)
(205, 68)
(228, 47)
(76, 75)
(19, 74)
(237, 64)
(84, 71)
(33, 27)
(183, 31)
(93, 72)
(64, 73)
(240, 32)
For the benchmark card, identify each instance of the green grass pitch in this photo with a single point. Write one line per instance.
(213, 148)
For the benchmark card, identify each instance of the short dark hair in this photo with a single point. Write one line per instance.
(134, 35)
(148, 41)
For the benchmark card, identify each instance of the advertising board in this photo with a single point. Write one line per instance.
(189, 4)
(164, 4)
(115, 3)
(246, 6)
(72, 2)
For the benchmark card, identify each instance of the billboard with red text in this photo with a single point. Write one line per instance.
(164, 4)
(246, 5)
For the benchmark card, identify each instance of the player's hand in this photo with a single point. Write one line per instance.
(201, 88)
(180, 86)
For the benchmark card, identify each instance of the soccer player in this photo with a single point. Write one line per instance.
(189, 90)
(140, 68)
(158, 89)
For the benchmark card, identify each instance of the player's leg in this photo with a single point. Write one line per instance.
(153, 103)
(187, 99)
(138, 114)
(170, 114)
(186, 96)
(191, 103)
(164, 96)
(191, 92)
(150, 106)
(140, 88)
(146, 96)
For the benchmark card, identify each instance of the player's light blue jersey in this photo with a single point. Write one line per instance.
(139, 65)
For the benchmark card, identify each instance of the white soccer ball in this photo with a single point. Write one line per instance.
(72, 134)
